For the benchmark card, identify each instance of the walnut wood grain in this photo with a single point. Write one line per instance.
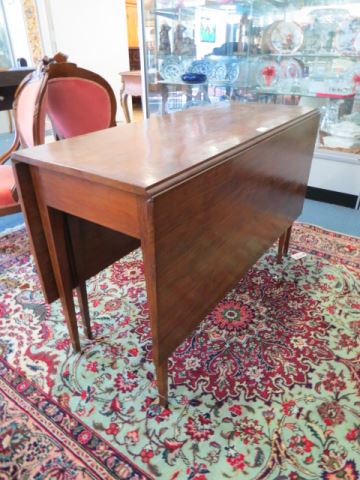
(161, 151)
(209, 230)
(116, 209)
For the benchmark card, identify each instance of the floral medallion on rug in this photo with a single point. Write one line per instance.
(266, 388)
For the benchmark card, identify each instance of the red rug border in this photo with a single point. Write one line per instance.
(135, 468)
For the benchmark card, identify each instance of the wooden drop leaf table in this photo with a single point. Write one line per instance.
(203, 192)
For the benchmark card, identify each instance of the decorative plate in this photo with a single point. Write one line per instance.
(233, 71)
(219, 71)
(171, 69)
(283, 37)
(270, 65)
(291, 68)
(201, 66)
(353, 73)
(347, 37)
(323, 24)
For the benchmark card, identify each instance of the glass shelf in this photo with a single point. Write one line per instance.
(333, 96)
(295, 51)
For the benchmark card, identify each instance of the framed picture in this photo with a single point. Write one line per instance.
(207, 30)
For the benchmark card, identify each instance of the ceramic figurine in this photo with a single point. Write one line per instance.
(183, 45)
(164, 46)
(189, 47)
(178, 39)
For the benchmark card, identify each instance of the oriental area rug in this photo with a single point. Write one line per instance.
(266, 388)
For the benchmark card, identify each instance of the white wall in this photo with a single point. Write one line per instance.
(93, 33)
(219, 18)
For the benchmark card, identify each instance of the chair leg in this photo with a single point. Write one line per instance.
(287, 240)
(84, 309)
(11, 129)
(125, 106)
(281, 247)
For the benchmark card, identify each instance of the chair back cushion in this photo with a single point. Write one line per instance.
(77, 106)
(29, 110)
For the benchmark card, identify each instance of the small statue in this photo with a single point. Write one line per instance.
(178, 39)
(164, 39)
(189, 47)
(183, 45)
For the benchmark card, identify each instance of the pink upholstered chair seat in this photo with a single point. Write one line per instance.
(7, 183)
(77, 106)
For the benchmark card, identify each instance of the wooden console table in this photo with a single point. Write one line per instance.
(131, 85)
(204, 192)
(9, 81)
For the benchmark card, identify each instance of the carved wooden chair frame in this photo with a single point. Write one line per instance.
(18, 139)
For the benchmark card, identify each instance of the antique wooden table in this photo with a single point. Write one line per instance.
(204, 192)
(131, 86)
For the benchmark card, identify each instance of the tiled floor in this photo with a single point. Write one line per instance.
(332, 217)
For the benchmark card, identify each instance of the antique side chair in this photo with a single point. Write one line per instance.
(29, 117)
(29, 109)
(78, 102)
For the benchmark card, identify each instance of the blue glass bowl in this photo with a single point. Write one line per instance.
(193, 77)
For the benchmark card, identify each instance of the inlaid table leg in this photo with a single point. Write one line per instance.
(61, 262)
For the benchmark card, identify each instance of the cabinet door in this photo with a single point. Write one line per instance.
(131, 19)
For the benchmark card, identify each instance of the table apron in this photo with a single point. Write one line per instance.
(98, 203)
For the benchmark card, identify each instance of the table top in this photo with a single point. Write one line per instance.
(151, 156)
(12, 77)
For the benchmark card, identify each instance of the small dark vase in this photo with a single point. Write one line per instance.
(193, 77)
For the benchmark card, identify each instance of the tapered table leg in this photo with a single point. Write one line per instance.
(162, 381)
(84, 309)
(148, 247)
(281, 247)
(81, 289)
(287, 240)
(61, 263)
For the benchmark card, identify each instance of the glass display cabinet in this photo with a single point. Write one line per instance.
(303, 52)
